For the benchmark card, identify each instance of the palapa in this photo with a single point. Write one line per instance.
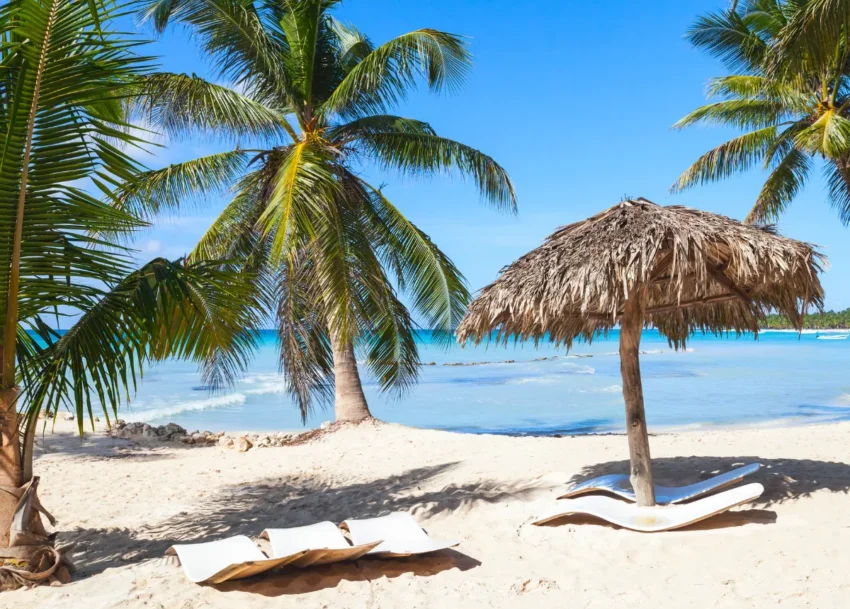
(639, 264)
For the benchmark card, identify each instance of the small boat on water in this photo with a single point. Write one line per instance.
(832, 336)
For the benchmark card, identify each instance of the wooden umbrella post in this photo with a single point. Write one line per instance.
(631, 326)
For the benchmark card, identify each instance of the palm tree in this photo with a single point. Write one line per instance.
(791, 116)
(332, 250)
(64, 81)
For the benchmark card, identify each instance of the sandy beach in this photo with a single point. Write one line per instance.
(125, 504)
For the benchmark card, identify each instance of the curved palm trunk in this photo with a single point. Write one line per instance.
(10, 461)
(350, 403)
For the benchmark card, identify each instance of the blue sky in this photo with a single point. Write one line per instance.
(574, 99)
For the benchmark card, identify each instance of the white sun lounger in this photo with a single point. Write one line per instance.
(655, 518)
(619, 485)
(322, 543)
(401, 535)
(215, 562)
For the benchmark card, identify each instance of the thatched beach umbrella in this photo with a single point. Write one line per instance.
(638, 264)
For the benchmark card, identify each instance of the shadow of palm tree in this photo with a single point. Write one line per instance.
(783, 479)
(288, 502)
(724, 520)
(367, 569)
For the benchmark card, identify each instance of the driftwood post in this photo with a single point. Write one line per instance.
(631, 326)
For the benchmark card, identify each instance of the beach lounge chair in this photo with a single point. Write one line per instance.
(655, 518)
(322, 543)
(401, 535)
(215, 562)
(619, 485)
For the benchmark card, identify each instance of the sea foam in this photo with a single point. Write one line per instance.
(145, 415)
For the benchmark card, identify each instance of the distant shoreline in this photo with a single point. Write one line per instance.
(828, 320)
(806, 328)
(837, 328)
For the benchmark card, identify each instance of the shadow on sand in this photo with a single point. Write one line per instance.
(724, 520)
(366, 569)
(295, 501)
(783, 479)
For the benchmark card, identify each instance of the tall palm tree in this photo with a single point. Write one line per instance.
(331, 248)
(64, 79)
(791, 116)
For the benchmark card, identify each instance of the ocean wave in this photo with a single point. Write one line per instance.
(843, 400)
(264, 384)
(181, 407)
(576, 369)
(608, 389)
(535, 379)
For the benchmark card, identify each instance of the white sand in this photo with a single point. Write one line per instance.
(126, 504)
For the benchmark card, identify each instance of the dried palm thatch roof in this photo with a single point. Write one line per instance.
(692, 270)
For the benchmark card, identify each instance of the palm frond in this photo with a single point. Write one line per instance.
(377, 123)
(427, 154)
(742, 113)
(437, 288)
(728, 37)
(791, 96)
(165, 309)
(235, 234)
(389, 345)
(306, 359)
(232, 34)
(780, 188)
(303, 191)
(738, 154)
(301, 23)
(838, 187)
(382, 78)
(183, 105)
(354, 45)
(153, 192)
(815, 29)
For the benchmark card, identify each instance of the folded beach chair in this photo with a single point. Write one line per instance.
(655, 518)
(401, 535)
(619, 485)
(322, 543)
(215, 562)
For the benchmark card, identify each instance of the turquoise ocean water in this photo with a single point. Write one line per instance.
(780, 378)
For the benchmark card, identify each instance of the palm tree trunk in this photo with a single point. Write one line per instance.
(350, 403)
(10, 460)
(631, 326)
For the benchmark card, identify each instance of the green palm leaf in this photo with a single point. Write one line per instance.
(425, 154)
(210, 317)
(382, 78)
(182, 105)
(782, 185)
(738, 154)
(438, 290)
(154, 192)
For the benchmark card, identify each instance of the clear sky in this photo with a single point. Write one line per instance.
(574, 99)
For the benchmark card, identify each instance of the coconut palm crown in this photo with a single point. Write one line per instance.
(792, 99)
(333, 252)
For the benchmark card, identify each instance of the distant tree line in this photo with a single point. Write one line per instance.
(828, 320)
